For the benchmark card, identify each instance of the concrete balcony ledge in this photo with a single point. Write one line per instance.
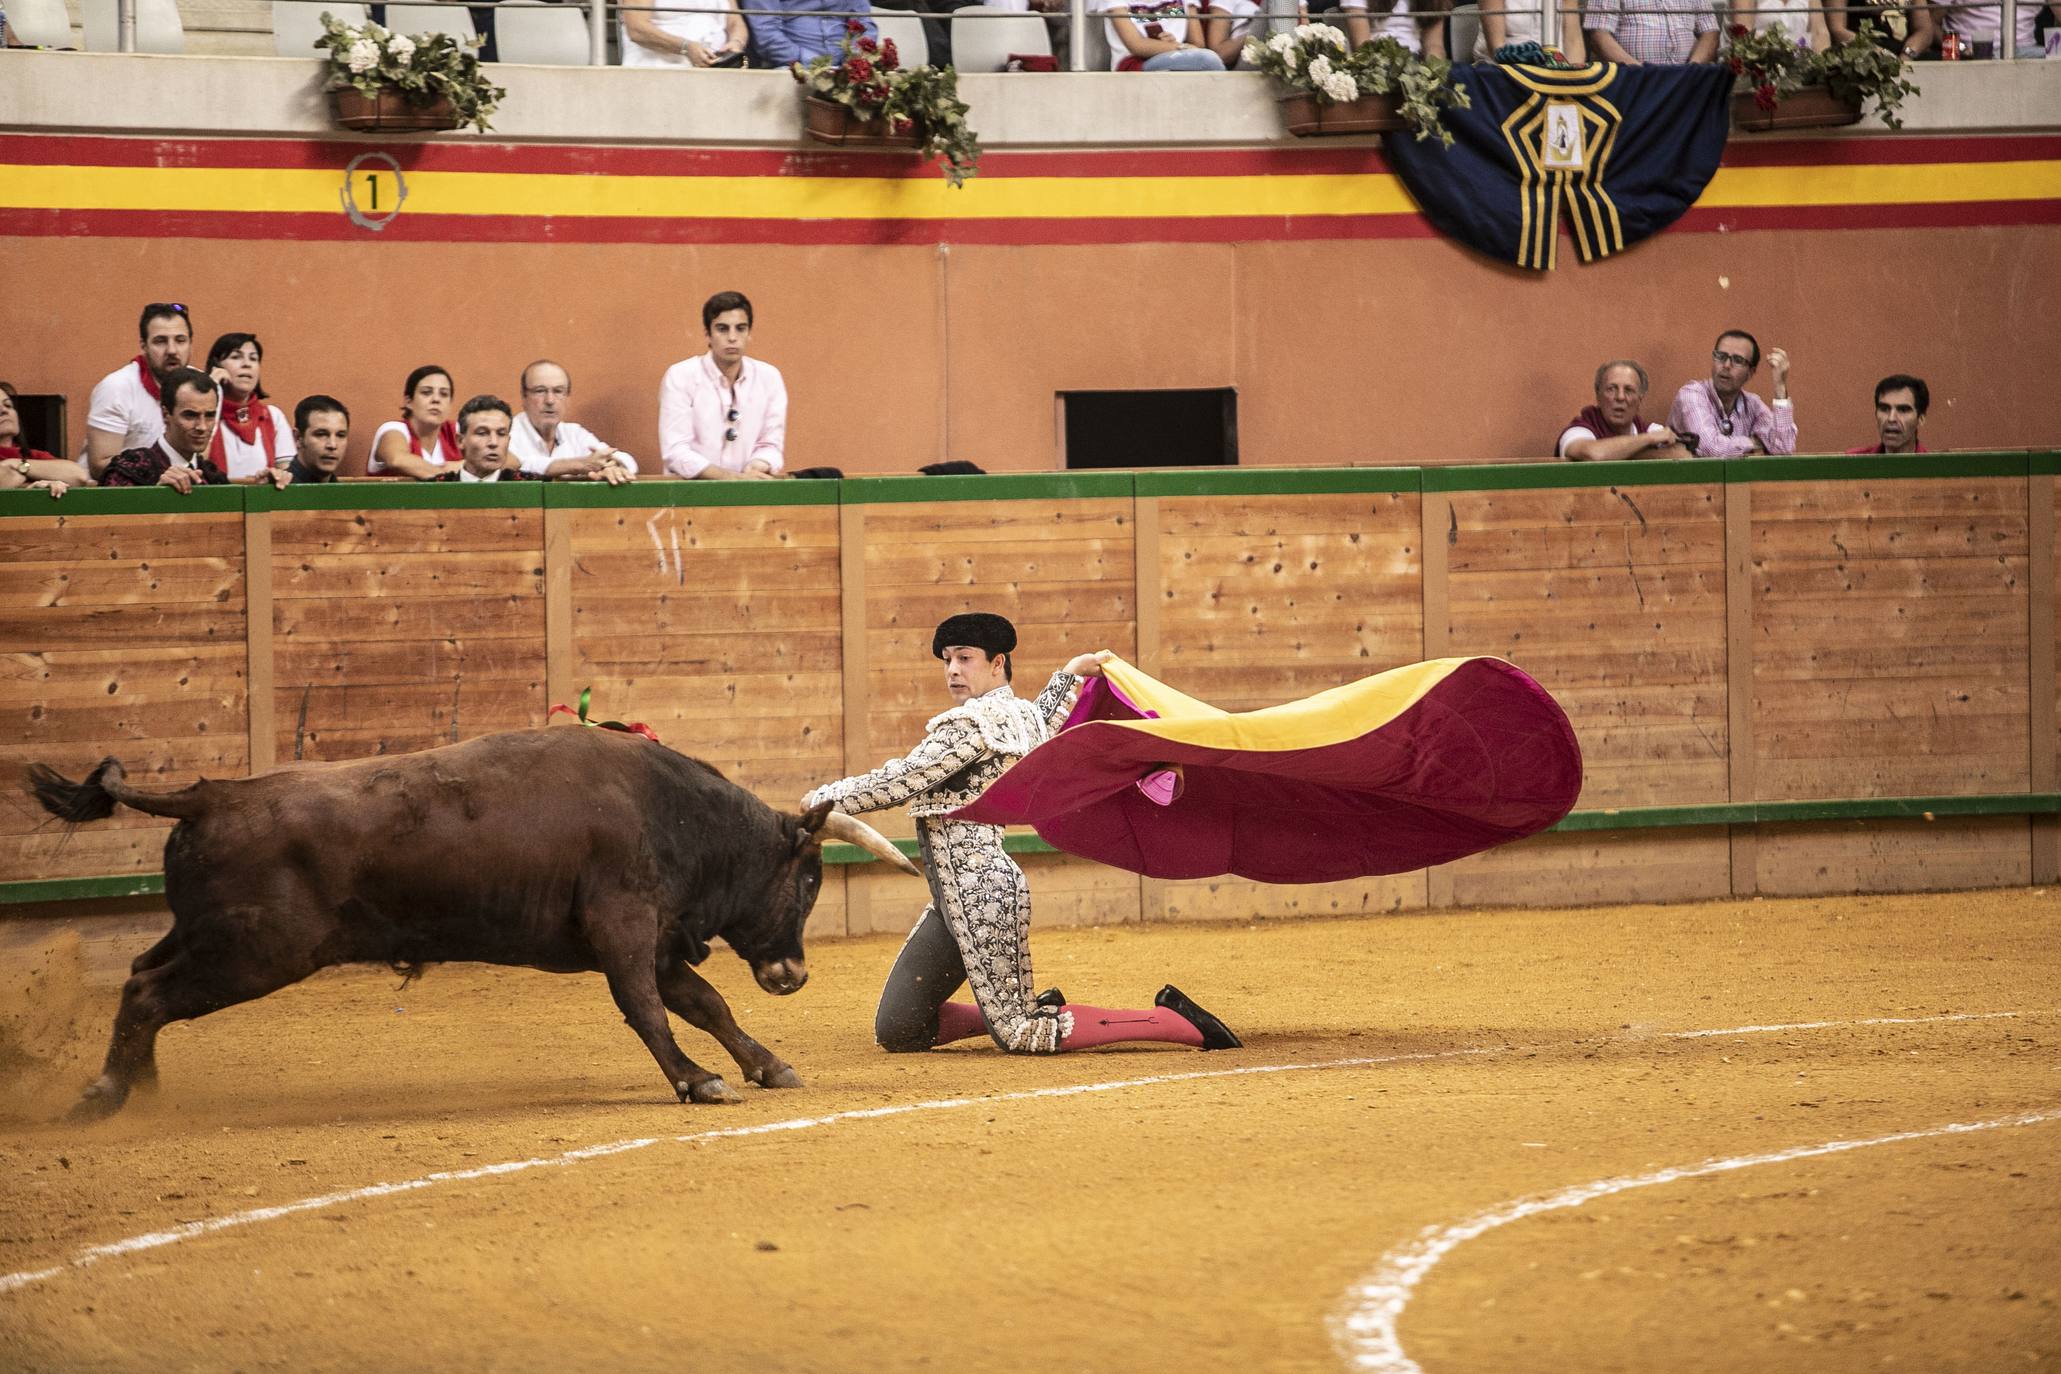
(110, 93)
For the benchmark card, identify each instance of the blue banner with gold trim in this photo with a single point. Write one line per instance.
(1619, 152)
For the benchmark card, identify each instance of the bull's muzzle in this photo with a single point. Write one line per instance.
(781, 976)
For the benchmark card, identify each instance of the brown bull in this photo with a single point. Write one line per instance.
(567, 850)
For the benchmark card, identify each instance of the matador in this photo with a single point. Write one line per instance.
(976, 929)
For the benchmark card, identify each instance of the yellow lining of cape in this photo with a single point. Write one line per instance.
(1330, 717)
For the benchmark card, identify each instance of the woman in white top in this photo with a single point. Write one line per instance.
(1417, 25)
(1803, 20)
(670, 38)
(1504, 22)
(251, 436)
(1159, 36)
(424, 441)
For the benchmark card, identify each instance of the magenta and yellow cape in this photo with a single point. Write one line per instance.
(1415, 766)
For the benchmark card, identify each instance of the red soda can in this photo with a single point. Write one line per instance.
(1950, 48)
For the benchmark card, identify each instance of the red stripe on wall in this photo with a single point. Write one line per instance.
(1212, 229)
(334, 153)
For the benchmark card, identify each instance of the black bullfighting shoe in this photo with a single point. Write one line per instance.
(1215, 1034)
(1050, 997)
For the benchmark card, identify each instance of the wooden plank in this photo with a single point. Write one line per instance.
(560, 661)
(1628, 866)
(299, 534)
(2044, 769)
(165, 581)
(414, 618)
(1890, 639)
(1149, 591)
(475, 573)
(1240, 899)
(1894, 856)
(72, 539)
(150, 625)
(655, 535)
(1439, 532)
(257, 559)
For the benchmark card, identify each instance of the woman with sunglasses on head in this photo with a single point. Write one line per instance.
(423, 443)
(251, 436)
(722, 414)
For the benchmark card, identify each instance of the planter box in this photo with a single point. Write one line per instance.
(826, 121)
(1309, 118)
(389, 113)
(1813, 107)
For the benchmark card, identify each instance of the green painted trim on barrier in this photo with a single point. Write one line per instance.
(651, 494)
(2043, 464)
(1542, 476)
(1845, 809)
(1010, 486)
(1625, 818)
(1875, 467)
(122, 501)
(399, 495)
(1273, 481)
(80, 889)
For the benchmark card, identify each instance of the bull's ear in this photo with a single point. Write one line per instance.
(811, 822)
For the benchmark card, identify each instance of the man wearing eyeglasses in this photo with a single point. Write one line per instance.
(723, 415)
(1728, 420)
(127, 411)
(544, 442)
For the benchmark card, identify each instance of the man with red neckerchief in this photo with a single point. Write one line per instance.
(127, 410)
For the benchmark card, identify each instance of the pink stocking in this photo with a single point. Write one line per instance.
(959, 1021)
(1100, 1026)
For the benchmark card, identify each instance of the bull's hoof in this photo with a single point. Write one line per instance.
(709, 1090)
(100, 1101)
(778, 1076)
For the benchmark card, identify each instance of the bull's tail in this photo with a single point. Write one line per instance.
(94, 799)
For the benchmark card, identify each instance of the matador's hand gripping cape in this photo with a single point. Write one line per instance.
(1416, 766)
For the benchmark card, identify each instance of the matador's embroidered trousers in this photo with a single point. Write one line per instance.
(977, 931)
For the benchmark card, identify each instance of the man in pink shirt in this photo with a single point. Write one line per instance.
(722, 414)
(1728, 420)
(1901, 401)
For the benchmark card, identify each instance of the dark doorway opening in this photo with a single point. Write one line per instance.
(1151, 429)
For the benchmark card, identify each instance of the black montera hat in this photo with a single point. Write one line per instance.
(989, 633)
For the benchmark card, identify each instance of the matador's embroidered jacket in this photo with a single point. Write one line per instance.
(964, 751)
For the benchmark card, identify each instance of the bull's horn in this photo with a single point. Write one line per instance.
(838, 826)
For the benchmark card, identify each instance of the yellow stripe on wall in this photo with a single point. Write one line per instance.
(863, 198)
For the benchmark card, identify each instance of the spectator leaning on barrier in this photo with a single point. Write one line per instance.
(1612, 428)
(178, 459)
(1913, 32)
(423, 443)
(1651, 32)
(1419, 25)
(126, 411)
(1728, 420)
(544, 442)
(21, 466)
(799, 30)
(321, 431)
(483, 427)
(251, 434)
(722, 414)
(673, 38)
(1901, 401)
(1159, 36)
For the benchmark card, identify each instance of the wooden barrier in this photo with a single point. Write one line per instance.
(1787, 675)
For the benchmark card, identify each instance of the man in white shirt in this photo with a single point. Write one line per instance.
(722, 414)
(127, 410)
(1613, 429)
(547, 444)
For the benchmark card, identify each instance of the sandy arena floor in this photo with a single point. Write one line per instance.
(1352, 1210)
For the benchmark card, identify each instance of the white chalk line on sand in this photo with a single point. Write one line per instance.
(191, 1230)
(1365, 1331)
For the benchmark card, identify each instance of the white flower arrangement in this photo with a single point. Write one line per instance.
(1313, 60)
(422, 68)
